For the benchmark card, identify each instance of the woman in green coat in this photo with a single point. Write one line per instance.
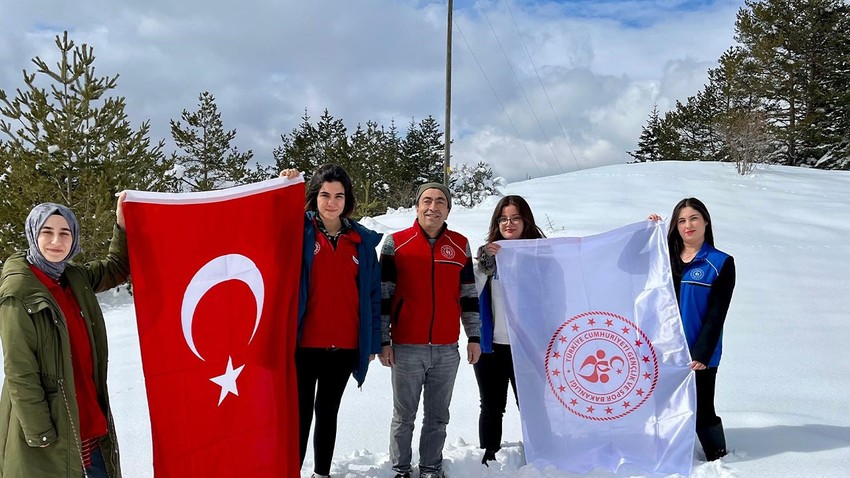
(55, 419)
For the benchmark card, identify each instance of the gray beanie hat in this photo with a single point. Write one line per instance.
(439, 186)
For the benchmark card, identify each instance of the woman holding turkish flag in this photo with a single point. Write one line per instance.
(55, 418)
(339, 307)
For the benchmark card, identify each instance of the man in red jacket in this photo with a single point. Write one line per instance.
(427, 291)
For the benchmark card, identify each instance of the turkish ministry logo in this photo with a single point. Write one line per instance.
(601, 366)
(448, 252)
(216, 271)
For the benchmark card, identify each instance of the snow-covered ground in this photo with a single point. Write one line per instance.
(783, 388)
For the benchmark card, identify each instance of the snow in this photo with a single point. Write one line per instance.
(782, 388)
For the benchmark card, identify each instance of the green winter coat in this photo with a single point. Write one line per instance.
(38, 404)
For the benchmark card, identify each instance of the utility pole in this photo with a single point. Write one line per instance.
(448, 148)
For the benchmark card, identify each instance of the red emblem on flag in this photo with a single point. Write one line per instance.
(601, 366)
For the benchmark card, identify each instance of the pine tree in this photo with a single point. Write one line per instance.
(67, 141)
(836, 111)
(384, 168)
(332, 141)
(669, 141)
(701, 137)
(373, 152)
(298, 150)
(789, 74)
(795, 48)
(422, 152)
(308, 147)
(470, 185)
(649, 143)
(392, 187)
(210, 162)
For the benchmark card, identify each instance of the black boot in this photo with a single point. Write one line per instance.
(489, 455)
(713, 441)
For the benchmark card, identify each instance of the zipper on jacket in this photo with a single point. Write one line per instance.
(58, 357)
(77, 438)
(433, 294)
(58, 317)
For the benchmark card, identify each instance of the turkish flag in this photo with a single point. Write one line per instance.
(215, 277)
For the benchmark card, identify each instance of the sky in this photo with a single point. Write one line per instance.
(538, 88)
(782, 384)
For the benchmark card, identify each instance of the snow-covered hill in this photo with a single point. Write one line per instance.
(783, 387)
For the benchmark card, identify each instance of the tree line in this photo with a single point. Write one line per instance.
(64, 139)
(780, 96)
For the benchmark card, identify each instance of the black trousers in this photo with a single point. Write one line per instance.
(493, 372)
(322, 376)
(705, 380)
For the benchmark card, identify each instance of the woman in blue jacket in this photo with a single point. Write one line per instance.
(512, 219)
(704, 279)
(339, 307)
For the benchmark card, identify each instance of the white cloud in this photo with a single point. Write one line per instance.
(603, 64)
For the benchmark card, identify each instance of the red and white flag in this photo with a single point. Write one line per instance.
(215, 277)
(600, 356)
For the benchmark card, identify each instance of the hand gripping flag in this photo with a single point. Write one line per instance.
(600, 356)
(215, 280)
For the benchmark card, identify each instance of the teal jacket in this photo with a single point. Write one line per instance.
(38, 404)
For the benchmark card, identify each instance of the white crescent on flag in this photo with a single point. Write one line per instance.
(214, 272)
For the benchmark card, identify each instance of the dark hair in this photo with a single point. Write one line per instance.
(529, 230)
(674, 239)
(329, 173)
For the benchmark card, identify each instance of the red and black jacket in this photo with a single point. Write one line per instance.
(427, 288)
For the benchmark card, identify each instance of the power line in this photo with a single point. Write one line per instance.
(534, 67)
(504, 110)
(519, 84)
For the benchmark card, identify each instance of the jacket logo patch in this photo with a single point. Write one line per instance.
(354, 258)
(317, 248)
(697, 274)
(448, 252)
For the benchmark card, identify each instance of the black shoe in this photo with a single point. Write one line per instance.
(402, 475)
(489, 455)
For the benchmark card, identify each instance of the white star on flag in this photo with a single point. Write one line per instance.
(227, 381)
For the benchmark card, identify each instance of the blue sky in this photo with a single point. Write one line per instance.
(634, 14)
(538, 87)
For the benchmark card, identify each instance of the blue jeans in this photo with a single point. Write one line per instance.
(418, 368)
(98, 467)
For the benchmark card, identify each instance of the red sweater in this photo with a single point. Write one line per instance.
(332, 317)
(92, 419)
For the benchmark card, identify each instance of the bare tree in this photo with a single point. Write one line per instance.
(746, 138)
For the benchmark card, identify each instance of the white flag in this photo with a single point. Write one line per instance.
(599, 353)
